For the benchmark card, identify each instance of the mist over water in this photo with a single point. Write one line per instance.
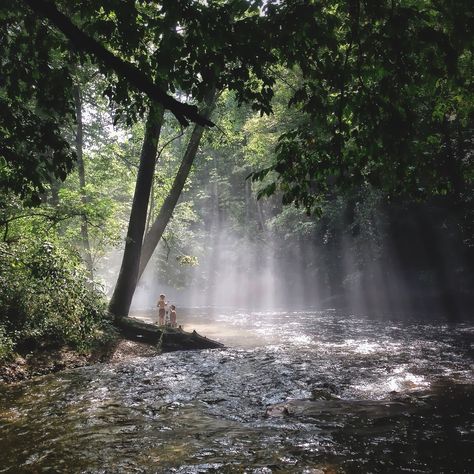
(361, 255)
(240, 273)
(263, 272)
(235, 272)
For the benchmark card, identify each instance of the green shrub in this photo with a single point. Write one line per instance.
(46, 298)
(6, 344)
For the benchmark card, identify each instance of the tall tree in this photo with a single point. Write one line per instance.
(155, 233)
(188, 62)
(128, 276)
(82, 178)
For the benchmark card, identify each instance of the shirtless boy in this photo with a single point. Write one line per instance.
(161, 310)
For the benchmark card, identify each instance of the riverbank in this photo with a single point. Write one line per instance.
(24, 366)
(48, 360)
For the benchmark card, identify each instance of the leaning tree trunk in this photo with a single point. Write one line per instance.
(121, 300)
(82, 179)
(155, 233)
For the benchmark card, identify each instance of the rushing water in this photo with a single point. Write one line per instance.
(306, 392)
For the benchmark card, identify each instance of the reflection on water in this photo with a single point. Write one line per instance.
(305, 392)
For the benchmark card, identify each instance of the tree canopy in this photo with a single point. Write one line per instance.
(387, 98)
(385, 89)
(142, 48)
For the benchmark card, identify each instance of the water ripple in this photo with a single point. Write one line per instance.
(292, 392)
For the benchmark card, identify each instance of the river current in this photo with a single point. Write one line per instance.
(292, 392)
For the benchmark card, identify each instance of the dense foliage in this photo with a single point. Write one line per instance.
(387, 96)
(46, 299)
(34, 66)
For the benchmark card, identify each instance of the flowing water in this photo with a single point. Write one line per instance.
(304, 392)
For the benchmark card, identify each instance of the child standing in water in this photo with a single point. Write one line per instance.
(161, 310)
(173, 316)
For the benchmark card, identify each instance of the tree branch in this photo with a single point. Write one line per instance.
(168, 248)
(171, 140)
(184, 113)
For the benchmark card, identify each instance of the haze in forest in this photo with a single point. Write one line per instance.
(236, 153)
(269, 271)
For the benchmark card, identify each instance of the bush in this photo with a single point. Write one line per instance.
(6, 344)
(47, 299)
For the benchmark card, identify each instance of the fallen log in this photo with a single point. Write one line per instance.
(179, 340)
(165, 339)
(136, 330)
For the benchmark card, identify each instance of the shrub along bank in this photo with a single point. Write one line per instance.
(47, 301)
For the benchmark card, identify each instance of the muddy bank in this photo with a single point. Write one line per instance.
(45, 361)
(144, 341)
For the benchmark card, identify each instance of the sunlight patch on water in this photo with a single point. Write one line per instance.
(400, 381)
(302, 340)
(363, 347)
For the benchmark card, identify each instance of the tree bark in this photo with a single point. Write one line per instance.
(121, 300)
(159, 225)
(82, 179)
(183, 112)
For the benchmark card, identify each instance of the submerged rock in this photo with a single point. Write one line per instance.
(278, 409)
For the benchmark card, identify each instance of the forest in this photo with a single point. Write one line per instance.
(337, 130)
(250, 154)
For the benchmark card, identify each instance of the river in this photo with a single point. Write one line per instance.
(293, 392)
